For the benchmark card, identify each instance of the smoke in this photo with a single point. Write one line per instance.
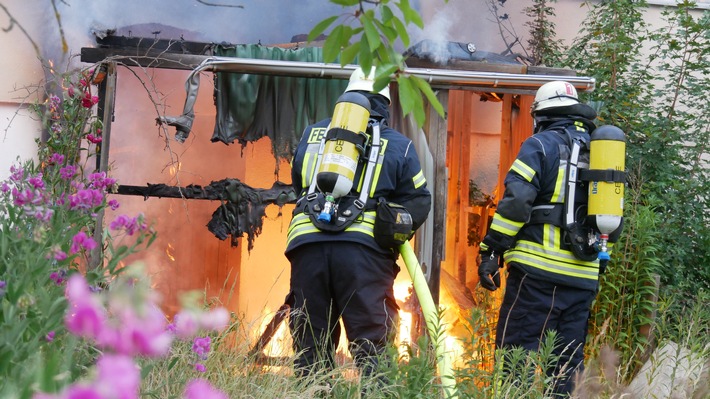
(259, 21)
(436, 34)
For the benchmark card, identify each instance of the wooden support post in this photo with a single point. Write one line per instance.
(436, 136)
(464, 165)
(453, 156)
(107, 98)
(507, 153)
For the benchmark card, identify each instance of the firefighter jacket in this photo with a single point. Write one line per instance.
(537, 179)
(398, 177)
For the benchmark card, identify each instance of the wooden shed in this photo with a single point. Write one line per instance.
(466, 155)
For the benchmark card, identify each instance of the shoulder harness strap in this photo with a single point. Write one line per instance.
(348, 210)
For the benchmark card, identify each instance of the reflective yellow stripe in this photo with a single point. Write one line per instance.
(548, 265)
(308, 169)
(301, 224)
(523, 170)
(560, 187)
(483, 247)
(505, 226)
(552, 259)
(419, 179)
(375, 179)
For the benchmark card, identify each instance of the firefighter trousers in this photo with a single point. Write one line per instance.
(531, 309)
(347, 280)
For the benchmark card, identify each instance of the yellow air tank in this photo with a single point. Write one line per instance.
(345, 142)
(607, 154)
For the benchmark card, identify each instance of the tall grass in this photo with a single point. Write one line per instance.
(479, 373)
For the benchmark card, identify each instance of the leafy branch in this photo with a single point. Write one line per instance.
(370, 41)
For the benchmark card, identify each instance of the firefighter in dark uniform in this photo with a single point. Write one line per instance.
(548, 287)
(346, 274)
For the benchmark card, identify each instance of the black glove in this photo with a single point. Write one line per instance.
(488, 270)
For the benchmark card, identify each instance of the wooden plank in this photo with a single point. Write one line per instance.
(453, 156)
(523, 121)
(106, 106)
(436, 130)
(463, 182)
(506, 144)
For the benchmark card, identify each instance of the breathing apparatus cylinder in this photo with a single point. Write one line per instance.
(606, 197)
(345, 142)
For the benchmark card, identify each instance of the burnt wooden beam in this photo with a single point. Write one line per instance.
(279, 193)
(169, 45)
(147, 58)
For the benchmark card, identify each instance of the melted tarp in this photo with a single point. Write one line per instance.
(242, 208)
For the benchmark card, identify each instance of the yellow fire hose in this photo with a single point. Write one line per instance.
(431, 316)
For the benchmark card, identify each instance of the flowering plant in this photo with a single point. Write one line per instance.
(60, 329)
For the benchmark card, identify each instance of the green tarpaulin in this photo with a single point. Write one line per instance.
(251, 106)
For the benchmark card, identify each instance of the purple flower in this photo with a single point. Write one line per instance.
(67, 172)
(58, 277)
(36, 182)
(131, 225)
(3, 285)
(16, 173)
(113, 204)
(201, 347)
(201, 389)
(200, 367)
(50, 336)
(86, 199)
(56, 158)
(100, 181)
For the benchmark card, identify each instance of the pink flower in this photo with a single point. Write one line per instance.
(93, 139)
(201, 389)
(118, 376)
(82, 392)
(88, 100)
(82, 241)
(200, 367)
(113, 204)
(59, 255)
(50, 336)
(86, 316)
(134, 334)
(187, 323)
(215, 320)
(70, 91)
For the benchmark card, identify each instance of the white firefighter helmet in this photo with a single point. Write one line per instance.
(358, 81)
(554, 94)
